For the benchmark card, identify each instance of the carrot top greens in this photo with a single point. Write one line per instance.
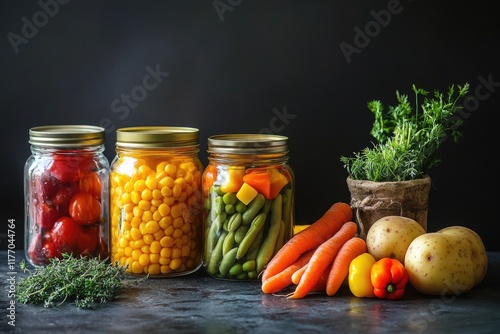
(408, 137)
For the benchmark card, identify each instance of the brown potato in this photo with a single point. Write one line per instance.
(390, 237)
(450, 261)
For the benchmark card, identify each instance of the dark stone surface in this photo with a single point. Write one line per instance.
(197, 303)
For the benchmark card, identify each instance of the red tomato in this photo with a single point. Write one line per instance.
(88, 240)
(63, 196)
(70, 168)
(35, 250)
(91, 183)
(49, 251)
(65, 236)
(84, 208)
(46, 215)
(45, 187)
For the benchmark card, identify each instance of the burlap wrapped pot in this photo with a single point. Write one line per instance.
(371, 201)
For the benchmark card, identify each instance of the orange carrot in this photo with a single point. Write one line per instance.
(331, 252)
(280, 281)
(298, 274)
(310, 238)
(320, 286)
(322, 258)
(340, 266)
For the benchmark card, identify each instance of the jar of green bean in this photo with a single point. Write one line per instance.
(248, 188)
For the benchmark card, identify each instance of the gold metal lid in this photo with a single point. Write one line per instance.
(66, 135)
(247, 144)
(157, 136)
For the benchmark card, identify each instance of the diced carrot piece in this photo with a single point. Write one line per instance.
(260, 180)
(210, 174)
(278, 181)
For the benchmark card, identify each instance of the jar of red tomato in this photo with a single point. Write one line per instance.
(66, 182)
(248, 189)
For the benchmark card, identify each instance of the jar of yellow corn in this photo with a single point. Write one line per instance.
(156, 201)
(248, 189)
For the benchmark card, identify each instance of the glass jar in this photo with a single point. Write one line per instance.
(66, 181)
(248, 189)
(156, 201)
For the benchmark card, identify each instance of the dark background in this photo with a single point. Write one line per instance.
(232, 70)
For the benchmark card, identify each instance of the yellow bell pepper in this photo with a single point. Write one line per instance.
(298, 228)
(359, 278)
(234, 180)
(246, 193)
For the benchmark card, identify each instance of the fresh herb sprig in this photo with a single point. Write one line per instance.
(408, 138)
(86, 281)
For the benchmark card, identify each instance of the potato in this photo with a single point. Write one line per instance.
(450, 261)
(390, 236)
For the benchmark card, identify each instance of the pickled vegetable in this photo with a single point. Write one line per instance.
(68, 209)
(250, 218)
(156, 214)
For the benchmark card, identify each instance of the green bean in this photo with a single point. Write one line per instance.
(214, 231)
(234, 222)
(208, 204)
(225, 225)
(288, 213)
(242, 276)
(255, 227)
(227, 261)
(248, 265)
(253, 208)
(240, 233)
(281, 238)
(218, 190)
(229, 198)
(228, 242)
(240, 207)
(254, 248)
(216, 255)
(209, 242)
(218, 205)
(266, 250)
(253, 274)
(236, 269)
(230, 209)
(267, 205)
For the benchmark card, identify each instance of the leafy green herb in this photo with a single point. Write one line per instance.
(86, 281)
(408, 138)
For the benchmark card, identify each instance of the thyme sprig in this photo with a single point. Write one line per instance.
(408, 137)
(86, 281)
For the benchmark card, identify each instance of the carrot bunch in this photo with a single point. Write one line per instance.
(318, 257)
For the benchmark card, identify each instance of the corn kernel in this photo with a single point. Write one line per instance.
(155, 247)
(148, 239)
(175, 264)
(152, 227)
(154, 269)
(167, 241)
(143, 259)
